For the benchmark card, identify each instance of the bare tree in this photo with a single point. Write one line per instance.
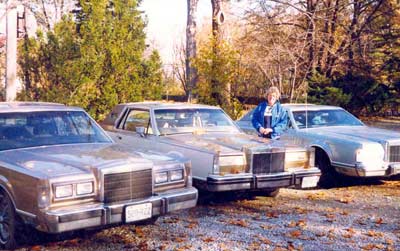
(191, 48)
(178, 67)
(220, 92)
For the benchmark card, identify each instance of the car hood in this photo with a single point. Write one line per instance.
(353, 132)
(55, 161)
(224, 143)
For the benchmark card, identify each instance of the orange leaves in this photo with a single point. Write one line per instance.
(36, 248)
(241, 223)
(139, 232)
(317, 196)
(372, 246)
(265, 240)
(294, 234)
(379, 221)
(299, 223)
(372, 233)
(208, 239)
(330, 217)
(171, 220)
(272, 215)
(349, 233)
(345, 200)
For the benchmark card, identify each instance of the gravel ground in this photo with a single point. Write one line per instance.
(358, 216)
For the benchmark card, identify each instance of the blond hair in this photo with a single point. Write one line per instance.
(273, 89)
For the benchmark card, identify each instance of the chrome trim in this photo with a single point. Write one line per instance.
(122, 169)
(31, 215)
(113, 213)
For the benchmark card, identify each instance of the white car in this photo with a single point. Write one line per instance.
(342, 142)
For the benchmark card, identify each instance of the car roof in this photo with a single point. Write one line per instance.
(167, 105)
(6, 107)
(310, 107)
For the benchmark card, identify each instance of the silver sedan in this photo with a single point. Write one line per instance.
(59, 171)
(223, 158)
(343, 143)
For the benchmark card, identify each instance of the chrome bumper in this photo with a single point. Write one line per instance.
(361, 171)
(298, 179)
(98, 214)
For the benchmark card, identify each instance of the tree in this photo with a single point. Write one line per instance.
(191, 48)
(221, 68)
(95, 61)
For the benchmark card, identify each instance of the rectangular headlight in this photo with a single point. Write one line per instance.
(161, 177)
(84, 188)
(63, 191)
(176, 175)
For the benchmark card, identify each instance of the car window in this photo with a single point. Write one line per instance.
(322, 118)
(248, 116)
(20, 130)
(138, 118)
(170, 121)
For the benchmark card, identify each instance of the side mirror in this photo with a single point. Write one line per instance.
(140, 130)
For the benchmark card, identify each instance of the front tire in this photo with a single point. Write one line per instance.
(329, 176)
(7, 222)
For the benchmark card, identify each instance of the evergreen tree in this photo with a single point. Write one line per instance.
(94, 60)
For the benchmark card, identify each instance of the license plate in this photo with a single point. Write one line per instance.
(308, 182)
(138, 212)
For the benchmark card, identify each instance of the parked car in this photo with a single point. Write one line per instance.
(59, 171)
(223, 158)
(343, 143)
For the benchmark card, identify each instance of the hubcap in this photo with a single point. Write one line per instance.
(5, 220)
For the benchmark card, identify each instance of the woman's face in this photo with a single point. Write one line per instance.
(272, 98)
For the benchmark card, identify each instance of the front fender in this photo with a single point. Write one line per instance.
(6, 185)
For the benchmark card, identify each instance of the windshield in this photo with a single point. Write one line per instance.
(322, 118)
(171, 121)
(20, 130)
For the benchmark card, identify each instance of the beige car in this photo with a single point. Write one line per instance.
(223, 158)
(59, 171)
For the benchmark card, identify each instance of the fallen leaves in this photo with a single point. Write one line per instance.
(372, 246)
(299, 223)
(330, 217)
(240, 223)
(372, 233)
(295, 233)
(345, 200)
(208, 239)
(272, 215)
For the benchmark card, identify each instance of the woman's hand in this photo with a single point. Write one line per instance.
(265, 131)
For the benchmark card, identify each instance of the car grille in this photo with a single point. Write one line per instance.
(394, 153)
(264, 163)
(127, 185)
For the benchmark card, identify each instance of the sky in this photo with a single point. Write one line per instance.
(167, 23)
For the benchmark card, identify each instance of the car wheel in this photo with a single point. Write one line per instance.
(7, 222)
(329, 175)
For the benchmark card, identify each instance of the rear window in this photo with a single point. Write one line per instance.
(20, 130)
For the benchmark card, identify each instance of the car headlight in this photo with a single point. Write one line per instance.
(84, 188)
(161, 177)
(176, 175)
(63, 191)
(229, 164)
(370, 154)
(77, 189)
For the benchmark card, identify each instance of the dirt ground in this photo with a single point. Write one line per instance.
(360, 215)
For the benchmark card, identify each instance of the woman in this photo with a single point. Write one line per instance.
(269, 117)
